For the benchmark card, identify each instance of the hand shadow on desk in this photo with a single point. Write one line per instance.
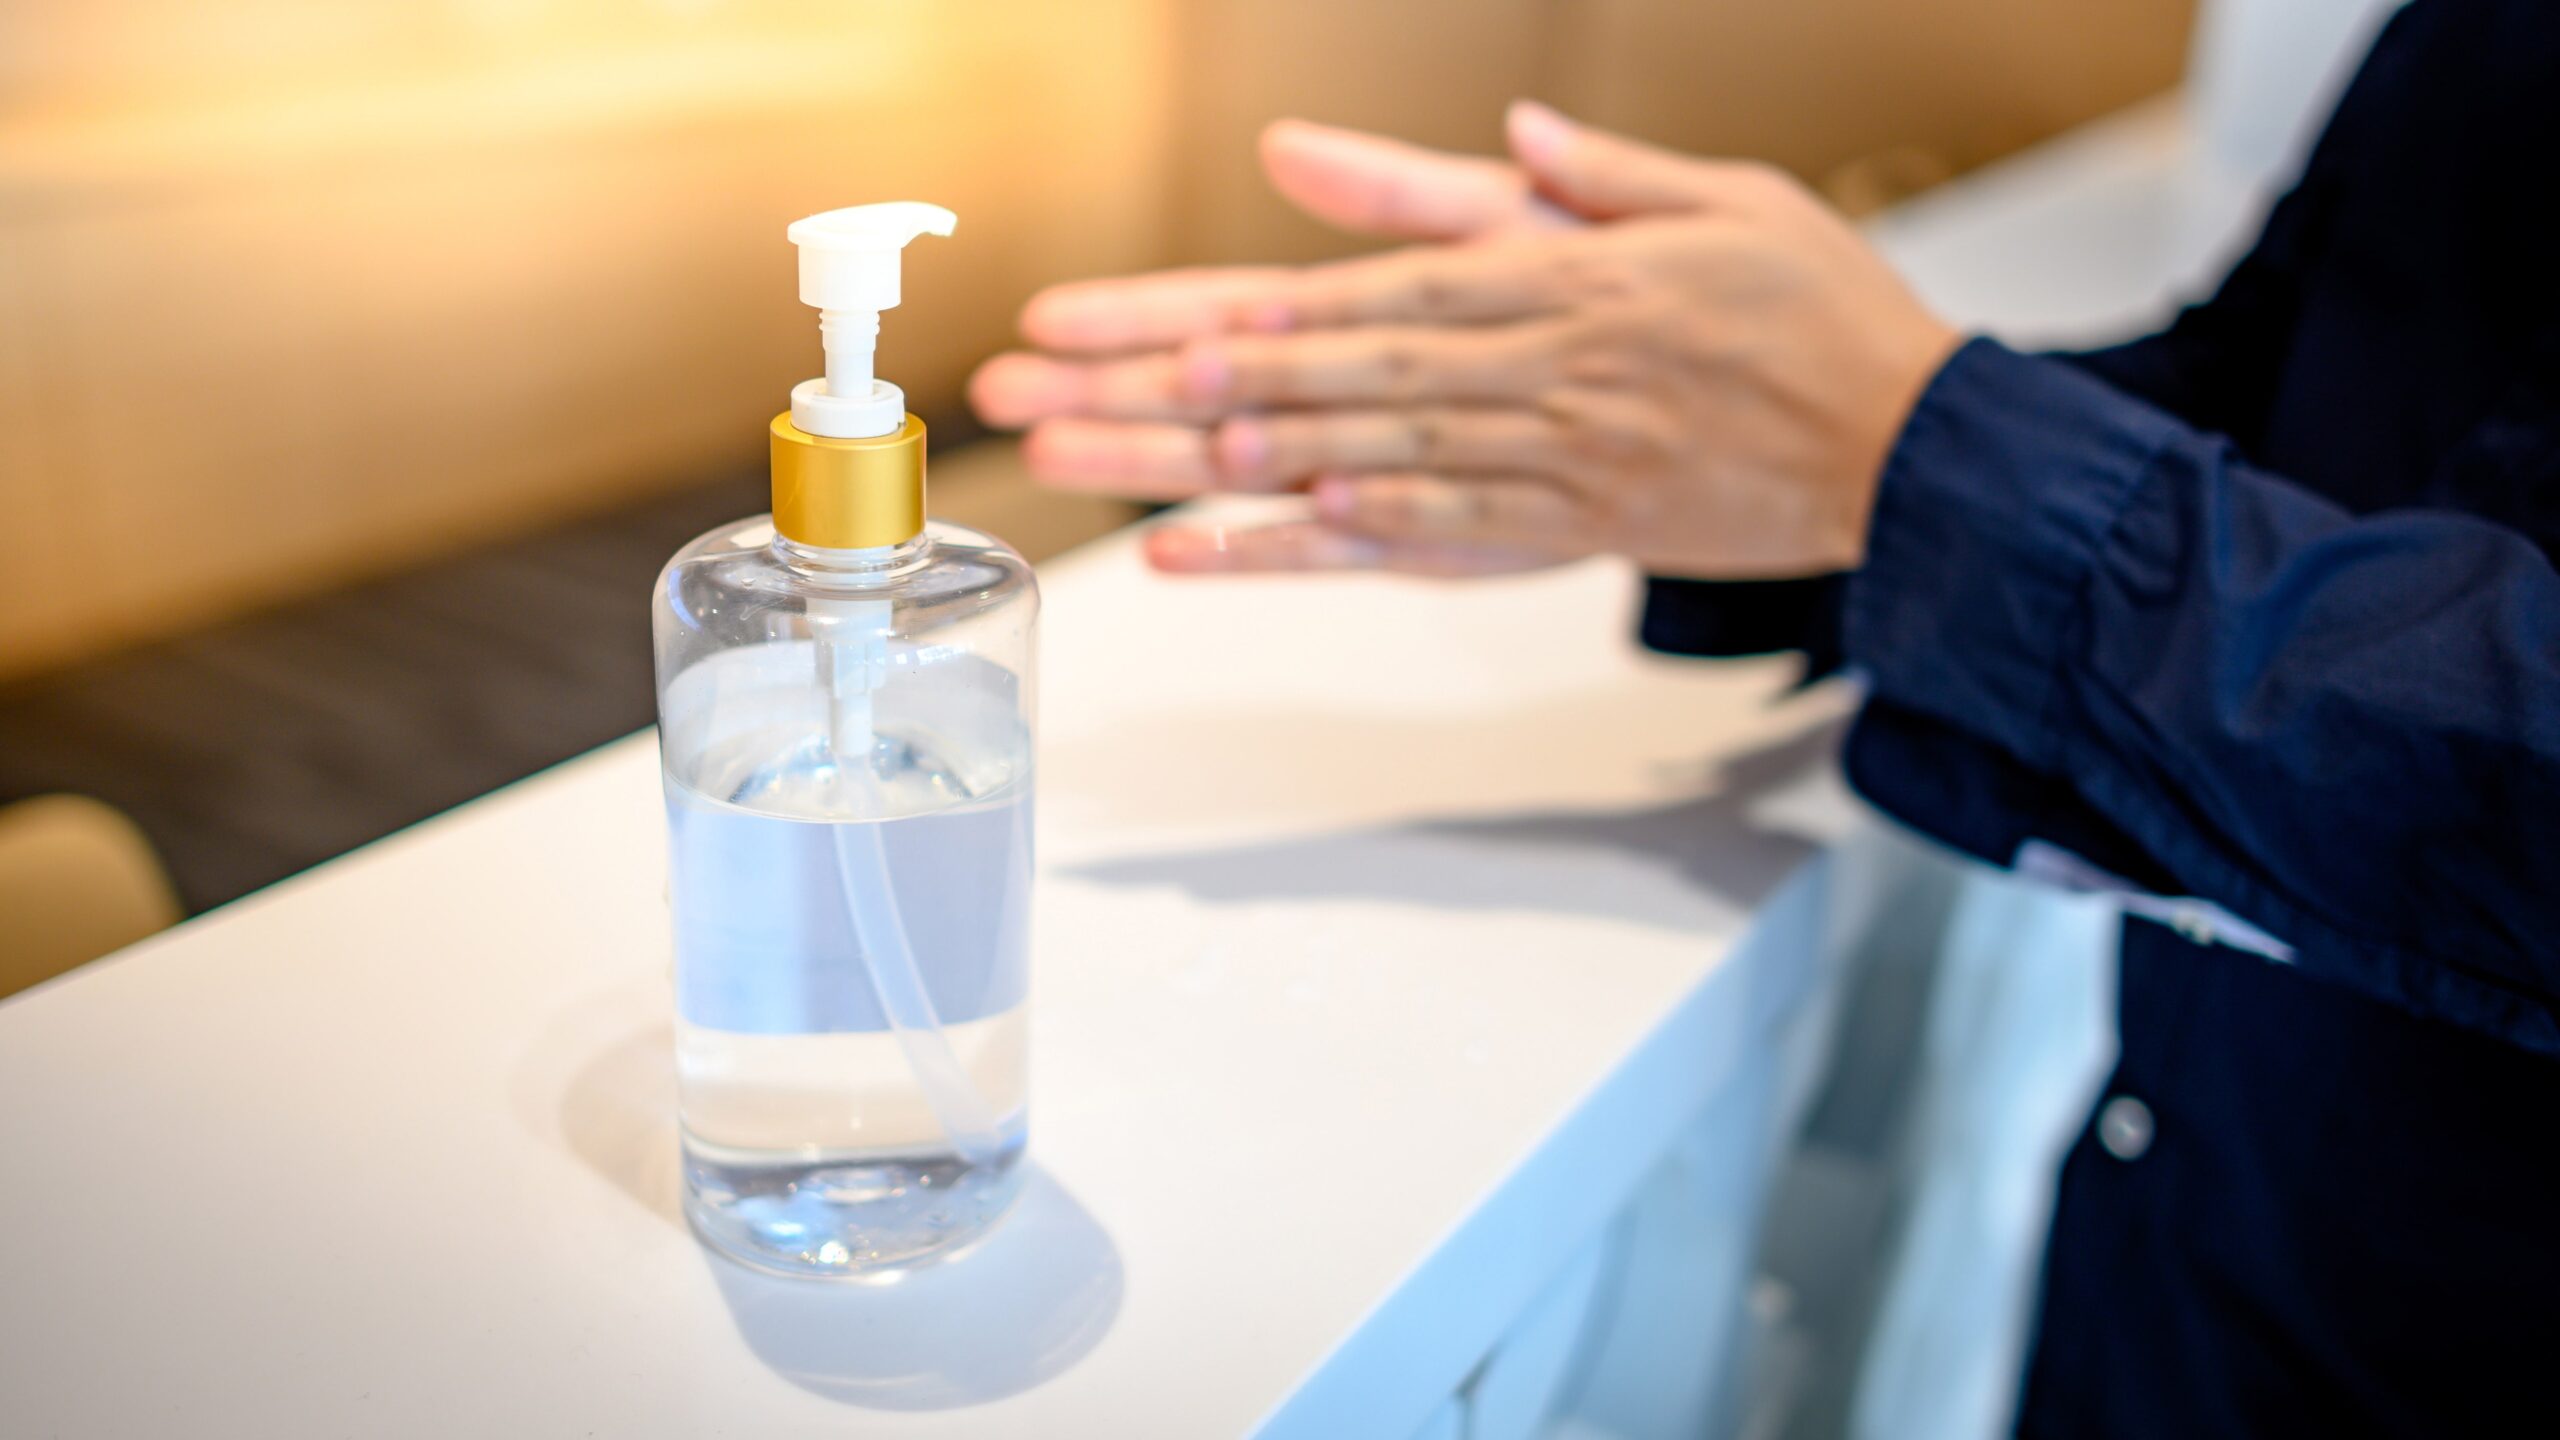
(1017, 1309)
(1706, 849)
(1026, 1303)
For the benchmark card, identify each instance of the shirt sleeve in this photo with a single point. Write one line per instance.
(2344, 730)
(2214, 367)
(1745, 617)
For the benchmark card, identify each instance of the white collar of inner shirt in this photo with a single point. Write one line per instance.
(2199, 920)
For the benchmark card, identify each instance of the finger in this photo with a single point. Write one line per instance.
(1141, 312)
(1277, 451)
(1385, 365)
(1012, 390)
(1374, 185)
(1140, 462)
(1291, 545)
(1018, 389)
(1472, 285)
(1601, 176)
(1303, 545)
(1417, 507)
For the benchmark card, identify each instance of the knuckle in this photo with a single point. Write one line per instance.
(1400, 367)
(1602, 276)
(1584, 436)
(1434, 293)
(1426, 438)
(1612, 348)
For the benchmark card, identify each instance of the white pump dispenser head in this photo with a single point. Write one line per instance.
(849, 270)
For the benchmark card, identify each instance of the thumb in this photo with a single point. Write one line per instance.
(1600, 176)
(1374, 185)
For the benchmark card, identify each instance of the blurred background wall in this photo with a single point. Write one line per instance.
(293, 291)
(298, 291)
(1865, 98)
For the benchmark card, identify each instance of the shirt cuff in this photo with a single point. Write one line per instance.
(1992, 510)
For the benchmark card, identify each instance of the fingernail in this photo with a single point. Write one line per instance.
(1206, 375)
(1243, 448)
(1179, 548)
(1333, 498)
(1538, 135)
(1073, 450)
(1023, 388)
(1048, 316)
(1050, 452)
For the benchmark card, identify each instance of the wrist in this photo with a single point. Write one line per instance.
(1931, 347)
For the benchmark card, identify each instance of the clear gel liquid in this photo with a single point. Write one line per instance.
(809, 1145)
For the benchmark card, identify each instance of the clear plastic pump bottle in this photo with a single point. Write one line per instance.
(845, 724)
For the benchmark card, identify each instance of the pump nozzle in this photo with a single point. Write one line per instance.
(849, 261)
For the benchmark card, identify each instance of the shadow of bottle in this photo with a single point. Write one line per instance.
(1020, 1307)
(1013, 1311)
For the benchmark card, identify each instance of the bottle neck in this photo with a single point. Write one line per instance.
(840, 494)
(856, 568)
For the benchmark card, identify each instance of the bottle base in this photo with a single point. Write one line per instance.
(844, 1217)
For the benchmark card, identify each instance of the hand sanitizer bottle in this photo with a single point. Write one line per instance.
(845, 716)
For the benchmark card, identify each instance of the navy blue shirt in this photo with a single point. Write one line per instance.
(2262, 610)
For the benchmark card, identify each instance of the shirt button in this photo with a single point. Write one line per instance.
(2193, 925)
(2124, 1127)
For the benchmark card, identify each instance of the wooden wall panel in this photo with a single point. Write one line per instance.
(256, 344)
(1814, 85)
(1437, 72)
(1817, 84)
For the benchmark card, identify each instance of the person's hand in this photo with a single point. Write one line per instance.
(1365, 184)
(1710, 388)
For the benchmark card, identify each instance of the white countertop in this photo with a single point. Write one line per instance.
(1352, 890)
